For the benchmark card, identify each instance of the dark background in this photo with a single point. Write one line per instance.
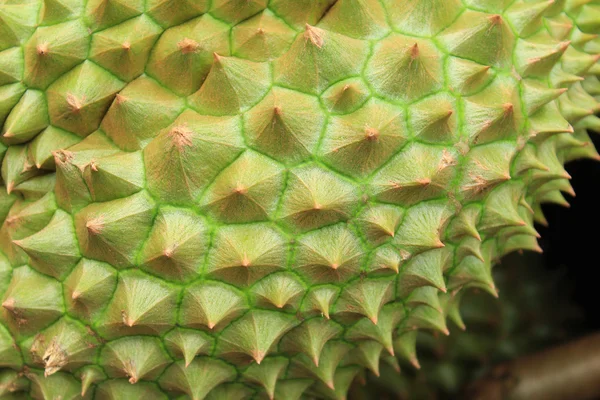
(571, 242)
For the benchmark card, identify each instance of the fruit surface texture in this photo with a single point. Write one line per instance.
(239, 199)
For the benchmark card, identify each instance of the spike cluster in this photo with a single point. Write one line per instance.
(232, 199)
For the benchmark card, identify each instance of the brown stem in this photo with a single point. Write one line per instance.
(567, 372)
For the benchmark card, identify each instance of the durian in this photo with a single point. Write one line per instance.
(236, 199)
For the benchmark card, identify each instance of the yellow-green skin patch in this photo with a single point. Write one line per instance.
(234, 199)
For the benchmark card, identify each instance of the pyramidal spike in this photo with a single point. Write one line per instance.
(75, 101)
(405, 346)
(47, 142)
(386, 261)
(187, 344)
(469, 247)
(267, 374)
(53, 50)
(328, 255)
(124, 49)
(483, 38)
(342, 380)
(318, 58)
(36, 187)
(66, 345)
(465, 223)
(451, 304)
(536, 56)
(53, 250)
(425, 317)
(367, 354)
(572, 111)
(380, 222)
(365, 297)
(168, 13)
(255, 334)
(100, 225)
(211, 304)
(426, 295)
(88, 288)
(422, 226)
(472, 272)
(197, 379)
(346, 96)
(139, 305)
(536, 95)
(175, 169)
(132, 130)
(279, 290)
(181, 59)
(547, 122)
(176, 244)
(526, 18)
(368, 18)
(136, 358)
(520, 243)
(90, 375)
(310, 337)
(285, 125)
(247, 190)
(415, 174)
(422, 17)
(331, 356)
(486, 167)
(466, 77)
(28, 117)
(100, 14)
(360, 142)
(389, 317)
(404, 68)
(16, 167)
(527, 160)
(233, 391)
(263, 37)
(10, 356)
(559, 27)
(9, 97)
(29, 311)
(434, 123)
(501, 208)
(231, 86)
(578, 62)
(243, 254)
(320, 300)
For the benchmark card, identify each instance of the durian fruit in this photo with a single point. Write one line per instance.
(236, 199)
(534, 312)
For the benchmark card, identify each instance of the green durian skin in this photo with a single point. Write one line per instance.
(232, 199)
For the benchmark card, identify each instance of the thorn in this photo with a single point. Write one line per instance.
(316, 361)
(334, 266)
(313, 35)
(374, 319)
(126, 46)
(211, 325)
(414, 51)
(371, 134)
(330, 385)
(9, 187)
(415, 362)
(42, 49)
(495, 19)
(8, 134)
(75, 295)
(258, 356)
(9, 304)
(188, 46)
(445, 331)
(391, 351)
